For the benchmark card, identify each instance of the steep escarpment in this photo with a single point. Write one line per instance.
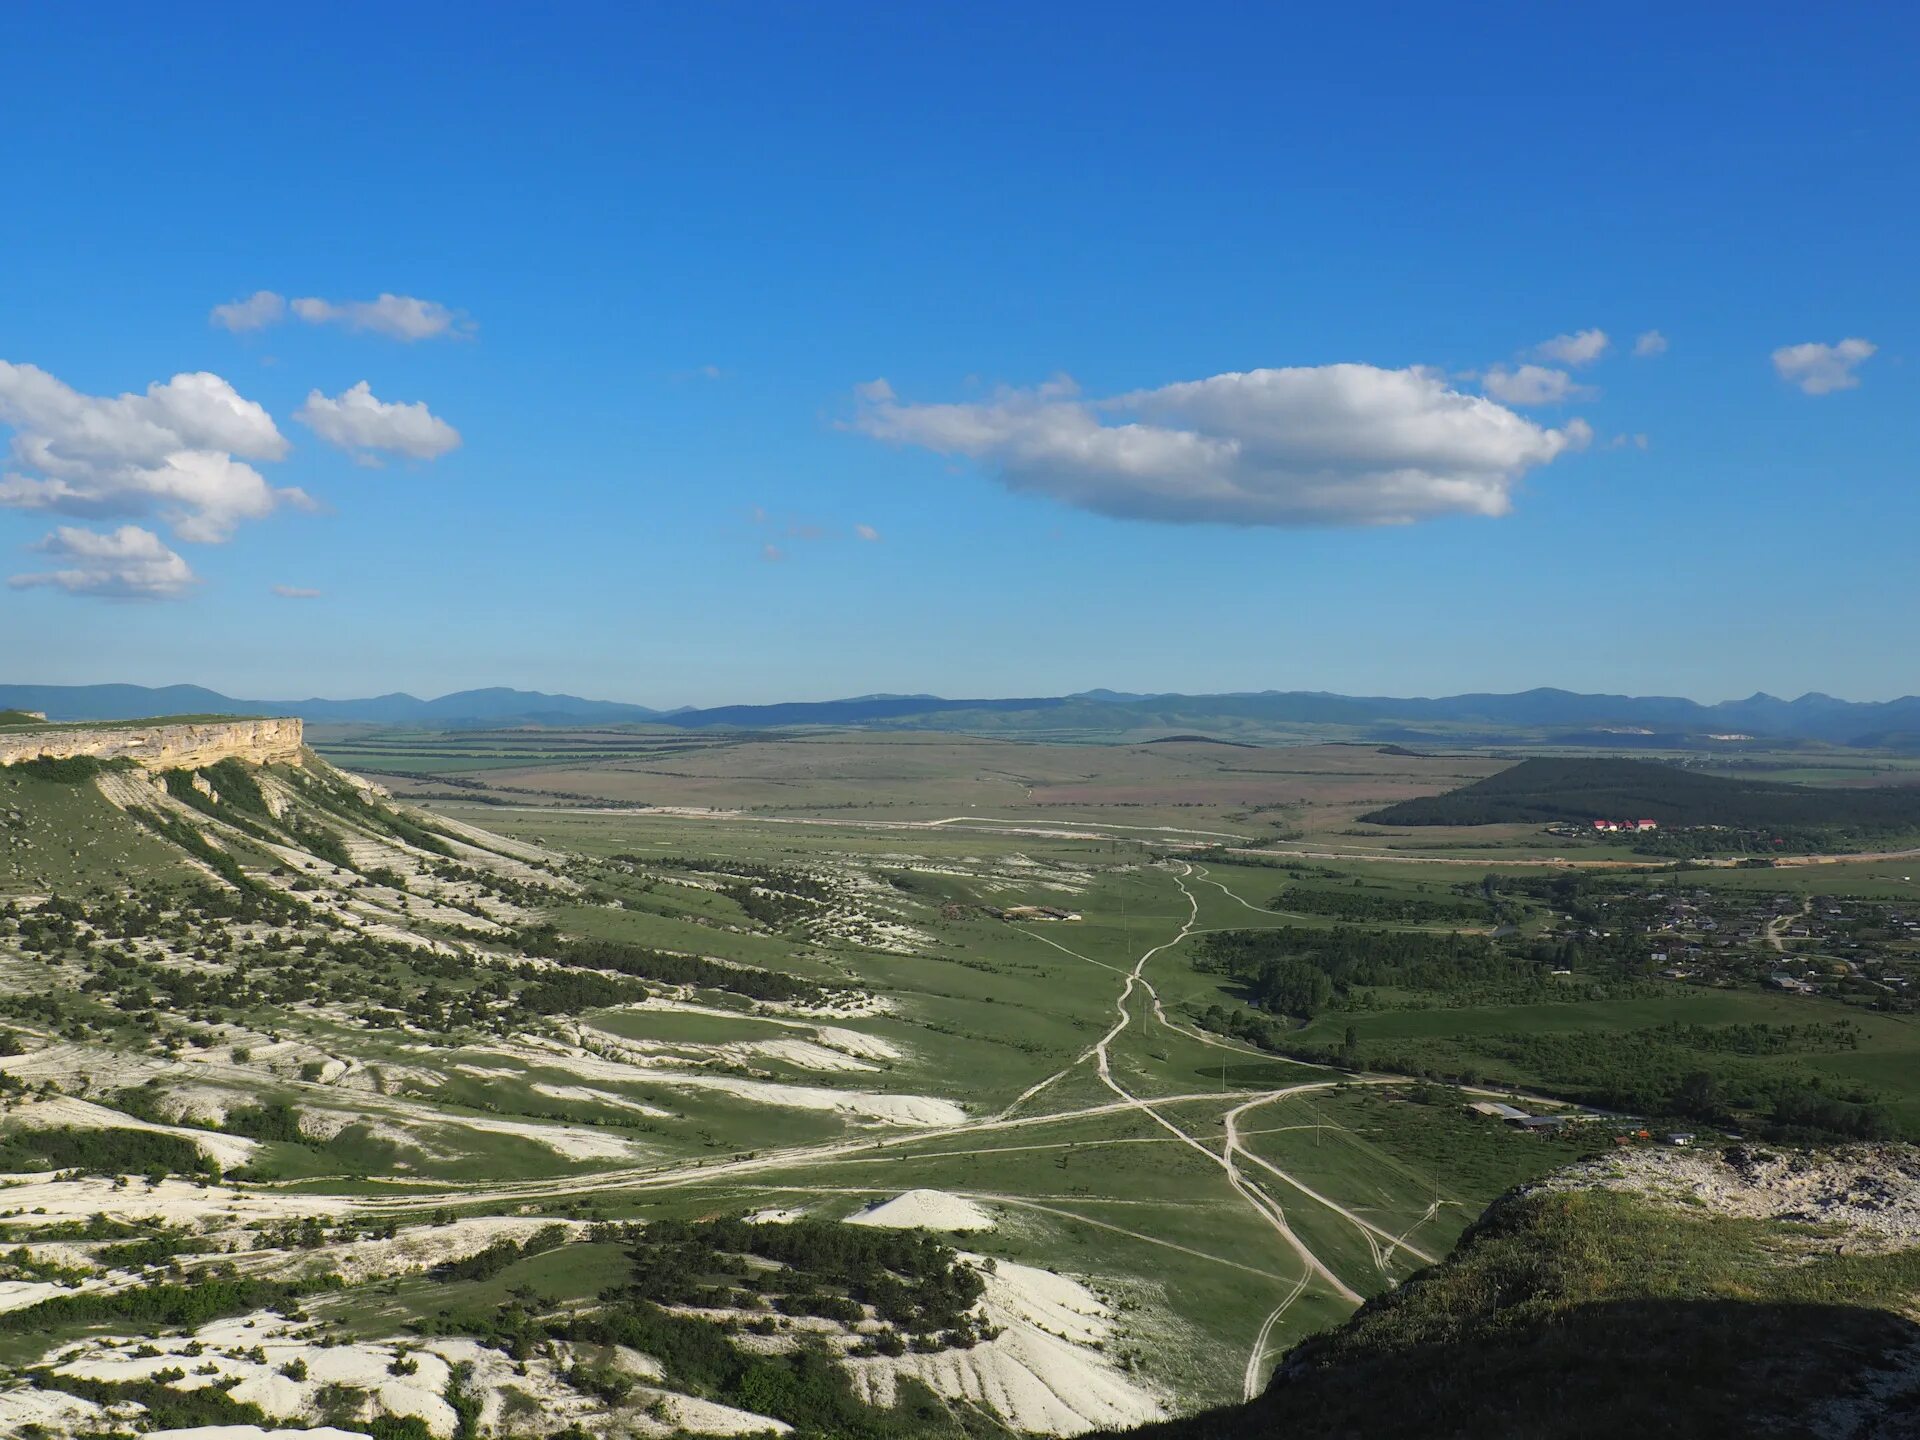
(159, 744)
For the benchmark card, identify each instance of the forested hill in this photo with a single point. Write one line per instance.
(1546, 790)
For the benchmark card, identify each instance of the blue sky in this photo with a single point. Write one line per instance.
(648, 262)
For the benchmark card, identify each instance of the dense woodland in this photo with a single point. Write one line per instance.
(1711, 1074)
(1298, 971)
(1543, 791)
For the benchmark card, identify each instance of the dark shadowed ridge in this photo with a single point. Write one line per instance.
(1581, 1315)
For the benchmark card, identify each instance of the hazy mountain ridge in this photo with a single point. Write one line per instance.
(1813, 716)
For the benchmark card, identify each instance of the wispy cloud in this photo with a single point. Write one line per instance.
(1582, 347)
(1821, 369)
(1648, 343)
(867, 533)
(1310, 445)
(256, 312)
(399, 317)
(296, 592)
(125, 564)
(1532, 385)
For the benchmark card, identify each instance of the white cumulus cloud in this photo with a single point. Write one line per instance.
(1582, 347)
(256, 312)
(125, 564)
(1305, 445)
(179, 450)
(399, 317)
(359, 421)
(1649, 342)
(1532, 385)
(1821, 369)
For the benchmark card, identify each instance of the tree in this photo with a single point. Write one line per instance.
(1292, 986)
(1698, 1095)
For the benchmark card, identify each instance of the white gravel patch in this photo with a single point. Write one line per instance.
(421, 1247)
(42, 1200)
(19, 1294)
(588, 1095)
(256, 1350)
(926, 1210)
(1870, 1191)
(884, 1109)
(54, 1412)
(805, 1054)
(775, 1216)
(1043, 1373)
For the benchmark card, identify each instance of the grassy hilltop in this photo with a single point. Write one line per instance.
(1600, 1306)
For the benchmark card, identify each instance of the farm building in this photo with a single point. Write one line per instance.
(1498, 1111)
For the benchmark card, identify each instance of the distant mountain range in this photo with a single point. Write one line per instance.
(1545, 715)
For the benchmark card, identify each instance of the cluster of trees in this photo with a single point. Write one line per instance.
(768, 877)
(148, 1308)
(1378, 906)
(623, 958)
(1808, 1111)
(1765, 1038)
(160, 1404)
(1702, 1073)
(238, 967)
(179, 833)
(1248, 1025)
(771, 895)
(911, 1280)
(104, 1152)
(487, 1263)
(1294, 971)
(351, 804)
(773, 909)
(1686, 842)
(69, 770)
(806, 1387)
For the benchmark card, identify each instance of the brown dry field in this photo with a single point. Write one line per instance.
(1314, 790)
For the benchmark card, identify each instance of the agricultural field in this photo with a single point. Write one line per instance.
(1193, 787)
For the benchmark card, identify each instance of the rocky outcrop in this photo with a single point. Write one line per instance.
(185, 745)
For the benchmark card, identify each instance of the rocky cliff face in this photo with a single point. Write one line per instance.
(161, 746)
